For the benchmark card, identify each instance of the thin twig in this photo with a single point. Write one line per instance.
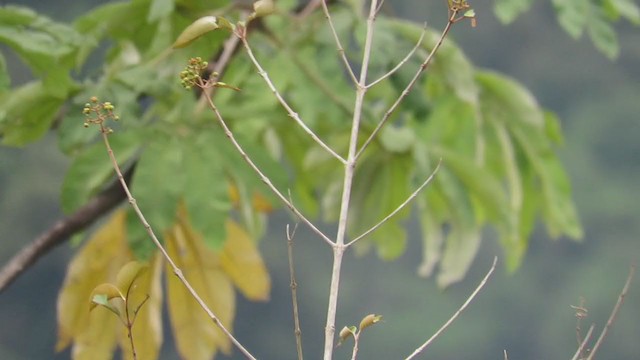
(614, 312)
(457, 313)
(400, 207)
(356, 344)
(583, 344)
(221, 62)
(349, 171)
(401, 63)
(61, 231)
(411, 84)
(336, 38)
(284, 104)
(176, 270)
(294, 291)
(262, 176)
(506, 357)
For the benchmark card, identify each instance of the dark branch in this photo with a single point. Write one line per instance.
(62, 230)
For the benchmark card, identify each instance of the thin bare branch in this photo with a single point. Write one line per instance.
(61, 231)
(456, 314)
(341, 51)
(218, 68)
(400, 207)
(506, 357)
(284, 104)
(176, 270)
(349, 171)
(411, 84)
(294, 291)
(404, 61)
(262, 176)
(583, 344)
(614, 312)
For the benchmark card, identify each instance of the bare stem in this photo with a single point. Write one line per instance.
(583, 344)
(457, 313)
(614, 312)
(356, 345)
(407, 90)
(400, 207)
(153, 237)
(294, 291)
(294, 115)
(349, 171)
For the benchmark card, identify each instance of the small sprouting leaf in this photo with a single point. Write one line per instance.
(200, 27)
(345, 333)
(262, 8)
(129, 273)
(101, 295)
(369, 320)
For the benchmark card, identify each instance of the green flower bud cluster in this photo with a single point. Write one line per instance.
(191, 75)
(96, 112)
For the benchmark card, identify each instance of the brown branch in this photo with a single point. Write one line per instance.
(61, 231)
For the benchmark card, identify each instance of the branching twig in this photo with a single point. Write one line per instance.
(61, 231)
(294, 291)
(105, 131)
(262, 176)
(614, 312)
(405, 92)
(284, 104)
(402, 62)
(336, 38)
(457, 313)
(400, 207)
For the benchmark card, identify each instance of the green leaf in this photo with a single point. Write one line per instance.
(160, 9)
(199, 28)
(603, 36)
(573, 15)
(157, 185)
(206, 193)
(5, 79)
(26, 114)
(91, 169)
(508, 10)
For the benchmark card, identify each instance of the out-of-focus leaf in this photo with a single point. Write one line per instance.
(147, 296)
(97, 262)
(241, 261)
(603, 35)
(26, 114)
(91, 169)
(461, 247)
(625, 8)
(197, 337)
(572, 15)
(508, 10)
(160, 9)
(206, 192)
(432, 239)
(5, 79)
(157, 185)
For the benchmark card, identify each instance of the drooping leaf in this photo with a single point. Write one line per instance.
(508, 10)
(97, 262)
(241, 261)
(197, 337)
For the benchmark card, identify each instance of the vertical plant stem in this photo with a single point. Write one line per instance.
(339, 245)
(294, 292)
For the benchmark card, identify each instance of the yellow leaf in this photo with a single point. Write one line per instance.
(196, 335)
(98, 339)
(98, 261)
(146, 294)
(241, 260)
(109, 291)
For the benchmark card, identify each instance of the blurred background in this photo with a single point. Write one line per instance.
(527, 313)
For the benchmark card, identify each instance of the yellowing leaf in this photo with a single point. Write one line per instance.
(241, 260)
(98, 339)
(97, 262)
(200, 27)
(146, 294)
(197, 337)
